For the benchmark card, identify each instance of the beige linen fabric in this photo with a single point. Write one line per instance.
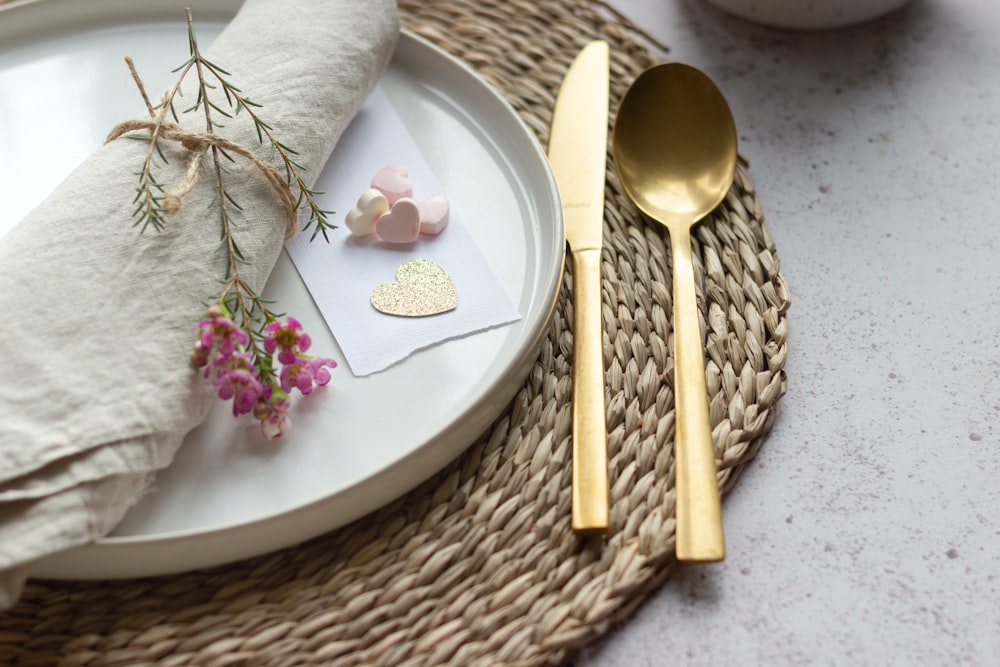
(97, 390)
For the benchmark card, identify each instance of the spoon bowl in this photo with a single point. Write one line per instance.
(674, 148)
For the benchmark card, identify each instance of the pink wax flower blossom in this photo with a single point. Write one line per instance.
(236, 378)
(219, 331)
(306, 373)
(199, 354)
(318, 367)
(288, 336)
(242, 387)
(245, 372)
(273, 414)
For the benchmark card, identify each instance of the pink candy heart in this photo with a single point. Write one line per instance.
(433, 214)
(394, 182)
(401, 224)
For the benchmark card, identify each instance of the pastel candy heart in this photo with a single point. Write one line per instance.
(362, 218)
(433, 214)
(394, 182)
(401, 224)
(422, 288)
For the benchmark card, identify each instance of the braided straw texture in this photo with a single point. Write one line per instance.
(479, 565)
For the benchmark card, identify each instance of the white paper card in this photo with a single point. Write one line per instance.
(341, 275)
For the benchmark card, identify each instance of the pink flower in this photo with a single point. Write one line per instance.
(236, 379)
(199, 355)
(288, 336)
(273, 414)
(318, 367)
(242, 387)
(305, 373)
(218, 330)
(237, 373)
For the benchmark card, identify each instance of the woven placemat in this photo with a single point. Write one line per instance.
(479, 566)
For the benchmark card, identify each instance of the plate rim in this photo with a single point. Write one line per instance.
(87, 561)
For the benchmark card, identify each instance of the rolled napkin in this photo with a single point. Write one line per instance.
(97, 326)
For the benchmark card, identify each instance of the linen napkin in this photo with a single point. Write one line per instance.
(98, 391)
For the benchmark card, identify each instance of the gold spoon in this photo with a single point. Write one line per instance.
(674, 146)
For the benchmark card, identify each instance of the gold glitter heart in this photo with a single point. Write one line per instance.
(422, 288)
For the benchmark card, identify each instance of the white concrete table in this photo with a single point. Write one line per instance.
(867, 531)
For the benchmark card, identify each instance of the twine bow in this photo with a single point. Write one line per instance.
(196, 144)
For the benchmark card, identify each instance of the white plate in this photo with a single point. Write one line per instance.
(229, 495)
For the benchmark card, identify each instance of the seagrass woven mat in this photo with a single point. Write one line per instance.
(479, 566)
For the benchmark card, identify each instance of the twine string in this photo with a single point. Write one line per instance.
(196, 143)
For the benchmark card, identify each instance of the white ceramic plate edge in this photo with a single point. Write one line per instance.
(125, 557)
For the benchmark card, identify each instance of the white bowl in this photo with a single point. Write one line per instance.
(809, 14)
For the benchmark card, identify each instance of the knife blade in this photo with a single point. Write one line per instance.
(577, 152)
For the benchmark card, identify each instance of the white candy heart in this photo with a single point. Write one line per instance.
(362, 218)
(433, 214)
(401, 224)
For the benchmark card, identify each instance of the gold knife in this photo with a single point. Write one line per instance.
(578, 144)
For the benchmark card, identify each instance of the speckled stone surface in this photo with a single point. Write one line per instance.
(868, 530)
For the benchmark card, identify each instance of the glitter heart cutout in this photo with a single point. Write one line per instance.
(401, 224)
(362, 218)
(422, 288)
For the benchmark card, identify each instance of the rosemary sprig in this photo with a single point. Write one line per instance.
(151, 196)
(240, 335)
(152, 207)
(239, 299)
(241, 103)
(153, 200)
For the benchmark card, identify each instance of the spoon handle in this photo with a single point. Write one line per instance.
(699, 516)
(590, 433)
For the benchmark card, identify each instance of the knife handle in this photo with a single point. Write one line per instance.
(699, 514)
(590, 434)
